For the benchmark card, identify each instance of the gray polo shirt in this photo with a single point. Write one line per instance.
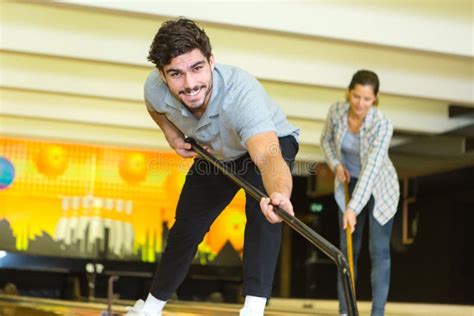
(238, 109)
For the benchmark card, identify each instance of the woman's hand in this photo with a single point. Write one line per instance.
(342, 174)
(349, 219)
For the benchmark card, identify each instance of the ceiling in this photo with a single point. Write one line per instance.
(74, 71)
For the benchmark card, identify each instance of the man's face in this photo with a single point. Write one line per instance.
(189, 79)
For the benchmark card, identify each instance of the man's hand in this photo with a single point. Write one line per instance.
(183, 149)
(278, 199)
(342, 174)
(349, 219)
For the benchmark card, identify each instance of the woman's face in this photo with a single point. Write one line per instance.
(361, 99)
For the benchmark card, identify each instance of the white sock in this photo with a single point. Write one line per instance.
(253, 305)
(153, 305)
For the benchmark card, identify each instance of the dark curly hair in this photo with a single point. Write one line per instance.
(177, 37)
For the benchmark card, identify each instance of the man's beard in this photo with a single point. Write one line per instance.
(200, 106)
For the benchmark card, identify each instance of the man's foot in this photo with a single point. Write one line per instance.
(136, 310)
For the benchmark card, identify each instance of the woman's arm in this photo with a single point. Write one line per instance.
(327, 141)
(378, 152)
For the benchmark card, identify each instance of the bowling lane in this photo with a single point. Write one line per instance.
(22, 306)
(18, 308)
(27, 306)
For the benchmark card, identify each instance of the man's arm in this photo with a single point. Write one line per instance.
(173, 135)
(264, 149)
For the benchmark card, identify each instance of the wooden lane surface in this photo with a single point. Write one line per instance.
(27, 306)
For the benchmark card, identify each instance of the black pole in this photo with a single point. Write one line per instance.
(301, 228)
(110, 293)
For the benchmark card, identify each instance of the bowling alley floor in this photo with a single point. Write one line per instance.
(26, 306)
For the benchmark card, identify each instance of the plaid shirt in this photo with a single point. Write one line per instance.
(377, 176)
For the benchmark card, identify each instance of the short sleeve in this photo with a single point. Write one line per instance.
(154, 92)
(251, 115)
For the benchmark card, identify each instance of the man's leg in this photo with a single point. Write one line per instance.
(262, 239)
(205, 194)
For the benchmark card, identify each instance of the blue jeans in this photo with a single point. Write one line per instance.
(379, 247)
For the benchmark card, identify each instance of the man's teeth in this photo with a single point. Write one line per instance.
(192, 93)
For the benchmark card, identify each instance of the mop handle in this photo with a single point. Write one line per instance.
(349, 238)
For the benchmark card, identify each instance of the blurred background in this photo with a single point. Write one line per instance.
(88, 184)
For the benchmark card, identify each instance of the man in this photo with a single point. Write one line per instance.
(228, 111)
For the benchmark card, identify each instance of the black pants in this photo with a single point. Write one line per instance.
(206, 192)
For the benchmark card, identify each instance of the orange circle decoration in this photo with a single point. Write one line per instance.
(52, 160)
(174, 183)
(172, 187)
(229, 226)
(133, 167)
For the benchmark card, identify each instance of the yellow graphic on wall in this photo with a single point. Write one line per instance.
(74, 200)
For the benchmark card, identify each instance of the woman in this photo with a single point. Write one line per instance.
(355, 142)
